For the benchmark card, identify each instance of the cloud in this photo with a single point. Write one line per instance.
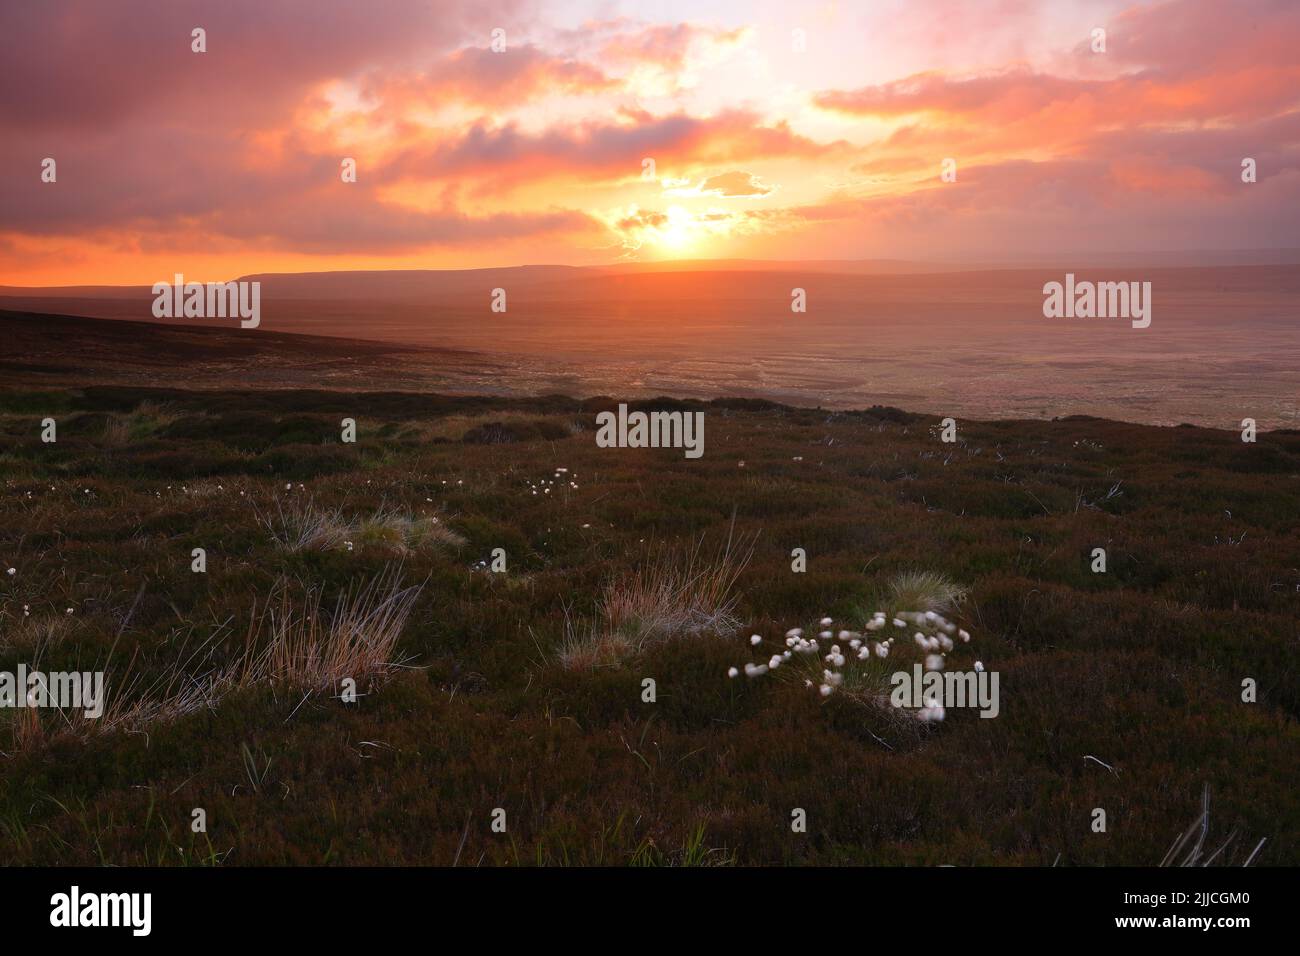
(462, 148)
(480, 77)
(734, 185)
(1172, 62)
(1165, 113)
(669, 47)
(613, 150)
(88, 64)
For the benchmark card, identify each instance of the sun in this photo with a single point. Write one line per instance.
(679, 231)
(669, 233)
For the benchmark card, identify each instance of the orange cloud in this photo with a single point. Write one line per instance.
(476, 156)
(478, 76)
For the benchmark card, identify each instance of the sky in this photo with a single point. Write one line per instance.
(601, 132)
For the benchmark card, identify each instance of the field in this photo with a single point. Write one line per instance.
(522, 690)
(1222, 344)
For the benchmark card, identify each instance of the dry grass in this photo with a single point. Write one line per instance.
(117, 430)
(307, 649)
(130, 703)
(37, 631)
(400, 534)
(288, 645)
(1190, 849)
(304, 527)
(925, 591)
(145, 420)
(28, 730)
(592, 650)
(676, 593)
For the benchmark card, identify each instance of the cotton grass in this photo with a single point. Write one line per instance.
(858, 663)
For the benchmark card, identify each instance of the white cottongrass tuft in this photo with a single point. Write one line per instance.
(859, 673)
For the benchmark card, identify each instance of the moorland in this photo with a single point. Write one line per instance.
(524, 690)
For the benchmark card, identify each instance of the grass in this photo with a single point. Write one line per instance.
(925, 591)
(145, 421)
(858, 663)
(310, 648)
(1190, 849)
(673, 593)
(228, 689)
(402, 534)
(302, 526)
(299, 645)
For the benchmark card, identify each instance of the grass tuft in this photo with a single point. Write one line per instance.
(307, 648)
(926, 591)
(676, 593)
(304, 527)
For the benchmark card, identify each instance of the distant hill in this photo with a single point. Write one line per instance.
(403, 284)
(42, 349)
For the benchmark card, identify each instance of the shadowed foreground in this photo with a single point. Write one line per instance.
(1140, 667)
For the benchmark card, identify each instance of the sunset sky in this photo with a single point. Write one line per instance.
(228, 162)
